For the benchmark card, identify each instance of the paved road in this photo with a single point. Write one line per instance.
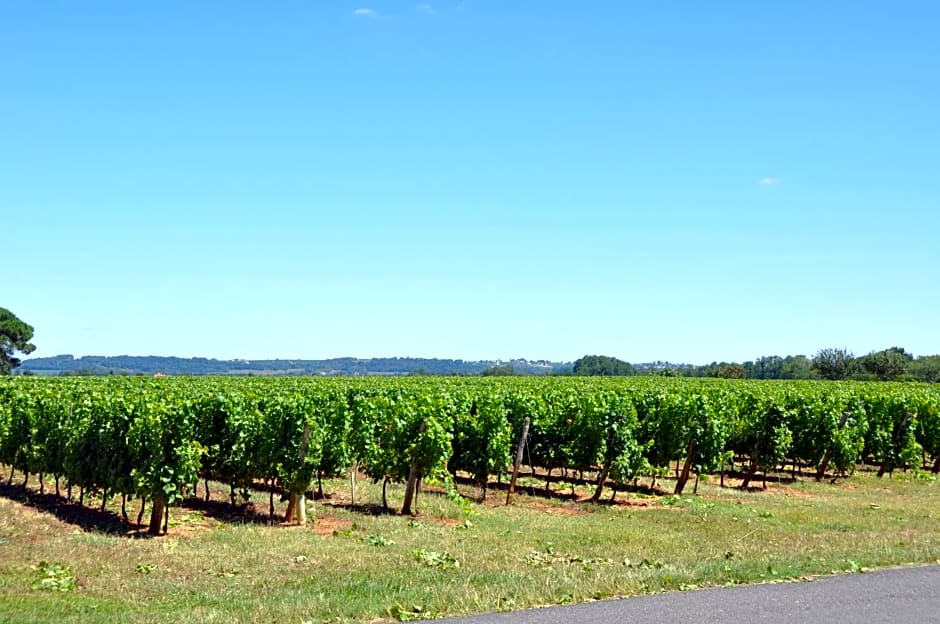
(898, 595)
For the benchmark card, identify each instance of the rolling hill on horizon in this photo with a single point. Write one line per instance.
(169, 365)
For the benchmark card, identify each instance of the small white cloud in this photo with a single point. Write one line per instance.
(771, 181)
(426, 8)
(365, 13)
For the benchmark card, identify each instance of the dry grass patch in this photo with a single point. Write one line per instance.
(359, 565)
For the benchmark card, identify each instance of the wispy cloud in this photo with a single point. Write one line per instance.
(365, 13)
(771, 181)
(426, 8)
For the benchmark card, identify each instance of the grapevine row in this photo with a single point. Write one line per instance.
(153, 438)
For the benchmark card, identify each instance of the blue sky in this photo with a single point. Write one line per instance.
(482, 179)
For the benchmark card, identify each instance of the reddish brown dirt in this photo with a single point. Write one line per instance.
(557, 510)
(326, 526)
(446, 522)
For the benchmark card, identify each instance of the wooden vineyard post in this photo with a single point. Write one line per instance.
(683, 478)
(601, 480)
(515, 466)
(291, 504)
(686, 468)
(412, 477)
(352, 482)
(297, 505)
(751, 471)
(156, 516)
(302, 509)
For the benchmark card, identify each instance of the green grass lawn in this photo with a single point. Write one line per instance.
(355, 566)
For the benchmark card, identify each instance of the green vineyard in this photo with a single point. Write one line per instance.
(153, 438)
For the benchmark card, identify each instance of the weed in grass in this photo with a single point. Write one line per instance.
(410, 614)
(547, 557)
(191, 518)
(433, 559)
(343, 533)
(378, 540)
(646, 564)
(53, 577)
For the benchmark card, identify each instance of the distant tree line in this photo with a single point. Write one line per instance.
(602, 365)
(894, 364)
